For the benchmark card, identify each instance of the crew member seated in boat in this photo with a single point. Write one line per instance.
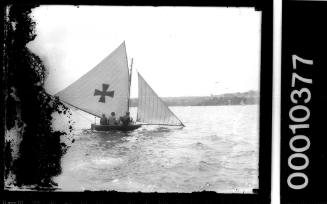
(103, 120)
(112, 119)
(126, 119)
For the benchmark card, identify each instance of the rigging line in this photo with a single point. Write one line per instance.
(147, 101)
(162, 124)
(138, 99)
(130, 78)
(151, 103)
(78, 108)
(78, 111)
(157, 107)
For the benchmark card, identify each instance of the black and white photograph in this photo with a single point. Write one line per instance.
(142, 99)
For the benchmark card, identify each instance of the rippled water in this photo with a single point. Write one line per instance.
(216, 151)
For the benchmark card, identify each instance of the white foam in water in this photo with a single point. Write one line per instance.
(107, 161)
(78, 165)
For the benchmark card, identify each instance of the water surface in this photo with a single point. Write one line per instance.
(216, 151)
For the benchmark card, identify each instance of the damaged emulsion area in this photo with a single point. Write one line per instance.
(33, 150)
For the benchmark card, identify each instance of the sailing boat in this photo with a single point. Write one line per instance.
(106, 88)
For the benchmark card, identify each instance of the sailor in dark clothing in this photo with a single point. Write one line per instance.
(103, 120)
(126, 119)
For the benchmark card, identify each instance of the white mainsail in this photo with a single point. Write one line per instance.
(104, 89)
(151, 109)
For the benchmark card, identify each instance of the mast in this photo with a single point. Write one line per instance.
(129, 88)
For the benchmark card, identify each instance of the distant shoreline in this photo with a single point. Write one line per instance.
(245, 98)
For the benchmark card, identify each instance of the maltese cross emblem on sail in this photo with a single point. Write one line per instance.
(104, 93)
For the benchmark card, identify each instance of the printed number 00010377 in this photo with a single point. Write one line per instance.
(299, 98)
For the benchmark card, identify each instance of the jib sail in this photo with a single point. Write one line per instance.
(151, 109)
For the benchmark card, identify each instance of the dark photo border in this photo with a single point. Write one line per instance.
(260, 195)
(303, 149)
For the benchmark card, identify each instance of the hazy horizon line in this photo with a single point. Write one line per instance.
(205, 95)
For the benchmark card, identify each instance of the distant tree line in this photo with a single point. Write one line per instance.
(245, 98)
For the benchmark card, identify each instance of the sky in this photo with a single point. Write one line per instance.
(180, 51)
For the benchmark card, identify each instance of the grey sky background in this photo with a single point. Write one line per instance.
(180, 51)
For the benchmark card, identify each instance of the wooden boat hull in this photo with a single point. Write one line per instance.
(115, 127)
